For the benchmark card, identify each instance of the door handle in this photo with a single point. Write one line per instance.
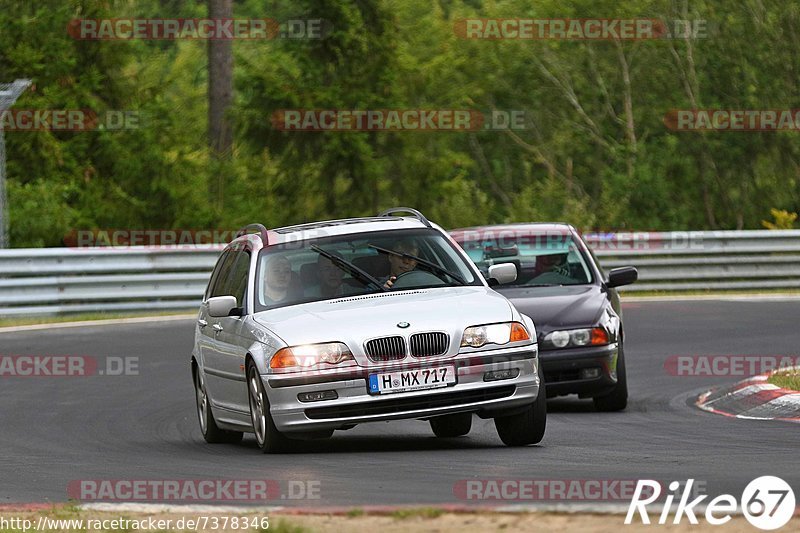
(217, 328)
(202, 323)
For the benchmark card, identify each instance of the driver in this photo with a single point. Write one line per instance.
(400, 265)
(556, 263)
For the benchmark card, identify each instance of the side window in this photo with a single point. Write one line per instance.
(220, 285)
(239, 276)
(215, 273)
(596, 262)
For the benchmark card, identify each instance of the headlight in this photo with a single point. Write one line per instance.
(559, 339)
(477, 336)
(308, 355)
(576, 337)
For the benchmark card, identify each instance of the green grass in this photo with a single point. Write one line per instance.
(788, 379)
(69, 510)
(31, 321)
(423, 512)
(717, 292)
(355, 513)
(283, 526)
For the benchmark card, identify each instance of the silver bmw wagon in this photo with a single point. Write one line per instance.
(307, 329)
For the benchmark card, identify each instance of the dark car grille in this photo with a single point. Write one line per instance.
(431, 401)
(429, 344)
(386, 349)
(556, 376)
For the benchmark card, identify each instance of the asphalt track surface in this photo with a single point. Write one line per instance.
(54, 430)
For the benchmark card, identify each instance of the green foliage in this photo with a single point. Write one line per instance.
(786, 379)
(429, 513)
(595, 151)
(782, 219)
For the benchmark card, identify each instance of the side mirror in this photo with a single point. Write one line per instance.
(622, 276)
(220, 306)
(502, 274)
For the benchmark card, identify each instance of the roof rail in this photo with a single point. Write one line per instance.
(419, 216)
(250, 227)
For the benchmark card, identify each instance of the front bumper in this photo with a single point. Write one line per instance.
(355, 405)
(563, 370)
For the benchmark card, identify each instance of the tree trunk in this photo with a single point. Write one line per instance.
(220, 95)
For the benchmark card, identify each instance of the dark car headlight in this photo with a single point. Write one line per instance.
(572, 338)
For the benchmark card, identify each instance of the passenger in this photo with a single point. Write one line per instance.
(278, 280)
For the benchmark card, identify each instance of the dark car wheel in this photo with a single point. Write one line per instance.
(617, 399)
(451, 425)
(268, 438)
(528, 426)
(208, 426)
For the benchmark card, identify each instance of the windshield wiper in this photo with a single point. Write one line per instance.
(423, 262)
(344, 264)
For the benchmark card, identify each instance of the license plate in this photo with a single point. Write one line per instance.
(408, 380)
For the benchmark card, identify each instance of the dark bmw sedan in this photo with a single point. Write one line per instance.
(574, 305)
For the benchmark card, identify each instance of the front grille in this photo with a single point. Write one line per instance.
(431, 401)
(556, 376)
(429, 344)
(386, 349)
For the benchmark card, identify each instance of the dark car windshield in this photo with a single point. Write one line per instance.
(357, 264)
(542, 259)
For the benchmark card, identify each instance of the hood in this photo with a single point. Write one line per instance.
(354, 320)
(562, 307)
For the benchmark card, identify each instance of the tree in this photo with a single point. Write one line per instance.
(220, 96)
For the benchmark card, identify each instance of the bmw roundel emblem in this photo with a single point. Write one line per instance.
(403, 325)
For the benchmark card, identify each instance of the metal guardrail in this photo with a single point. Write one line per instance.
(51, 281)
(704, 260)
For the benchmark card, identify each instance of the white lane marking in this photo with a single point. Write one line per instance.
(713, 297)
(174, 508)
(92, 323)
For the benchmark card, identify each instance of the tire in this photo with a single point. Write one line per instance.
(617, 399)
(268, 438)
(528, 426)
(208, 426)
(449, 426)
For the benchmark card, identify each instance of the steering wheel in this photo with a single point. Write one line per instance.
(414, 278)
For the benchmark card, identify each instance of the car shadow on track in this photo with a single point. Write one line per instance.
(343, 443)
(570, 405)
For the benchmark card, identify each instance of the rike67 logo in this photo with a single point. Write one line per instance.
(767, 503)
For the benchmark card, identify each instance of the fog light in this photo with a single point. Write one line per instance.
(317, 396)
(590, 373)
(496, 375)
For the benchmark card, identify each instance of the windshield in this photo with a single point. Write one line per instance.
(357, 264)
(541, 259)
